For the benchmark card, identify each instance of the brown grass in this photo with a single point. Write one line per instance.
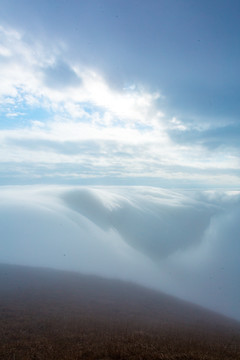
(57, 315)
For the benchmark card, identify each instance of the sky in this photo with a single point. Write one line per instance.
(120, 93)
(119, 142)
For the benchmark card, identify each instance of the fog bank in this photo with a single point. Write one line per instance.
(184, 243)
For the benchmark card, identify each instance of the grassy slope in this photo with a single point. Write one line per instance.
(48, 314)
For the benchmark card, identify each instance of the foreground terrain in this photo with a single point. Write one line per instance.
(47, 314)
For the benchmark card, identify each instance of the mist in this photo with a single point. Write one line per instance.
(185, 243)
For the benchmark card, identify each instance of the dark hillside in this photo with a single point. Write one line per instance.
(47, 314)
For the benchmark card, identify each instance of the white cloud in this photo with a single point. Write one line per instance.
(31, 70)
(82, 107)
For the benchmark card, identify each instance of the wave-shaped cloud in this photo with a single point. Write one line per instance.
(184, 243)
(144, 221)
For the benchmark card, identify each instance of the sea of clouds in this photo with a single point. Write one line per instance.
(186, 243)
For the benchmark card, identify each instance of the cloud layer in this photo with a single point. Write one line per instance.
(57, 115)
(184, 243)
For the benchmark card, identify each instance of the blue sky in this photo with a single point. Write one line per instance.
(120, 92)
